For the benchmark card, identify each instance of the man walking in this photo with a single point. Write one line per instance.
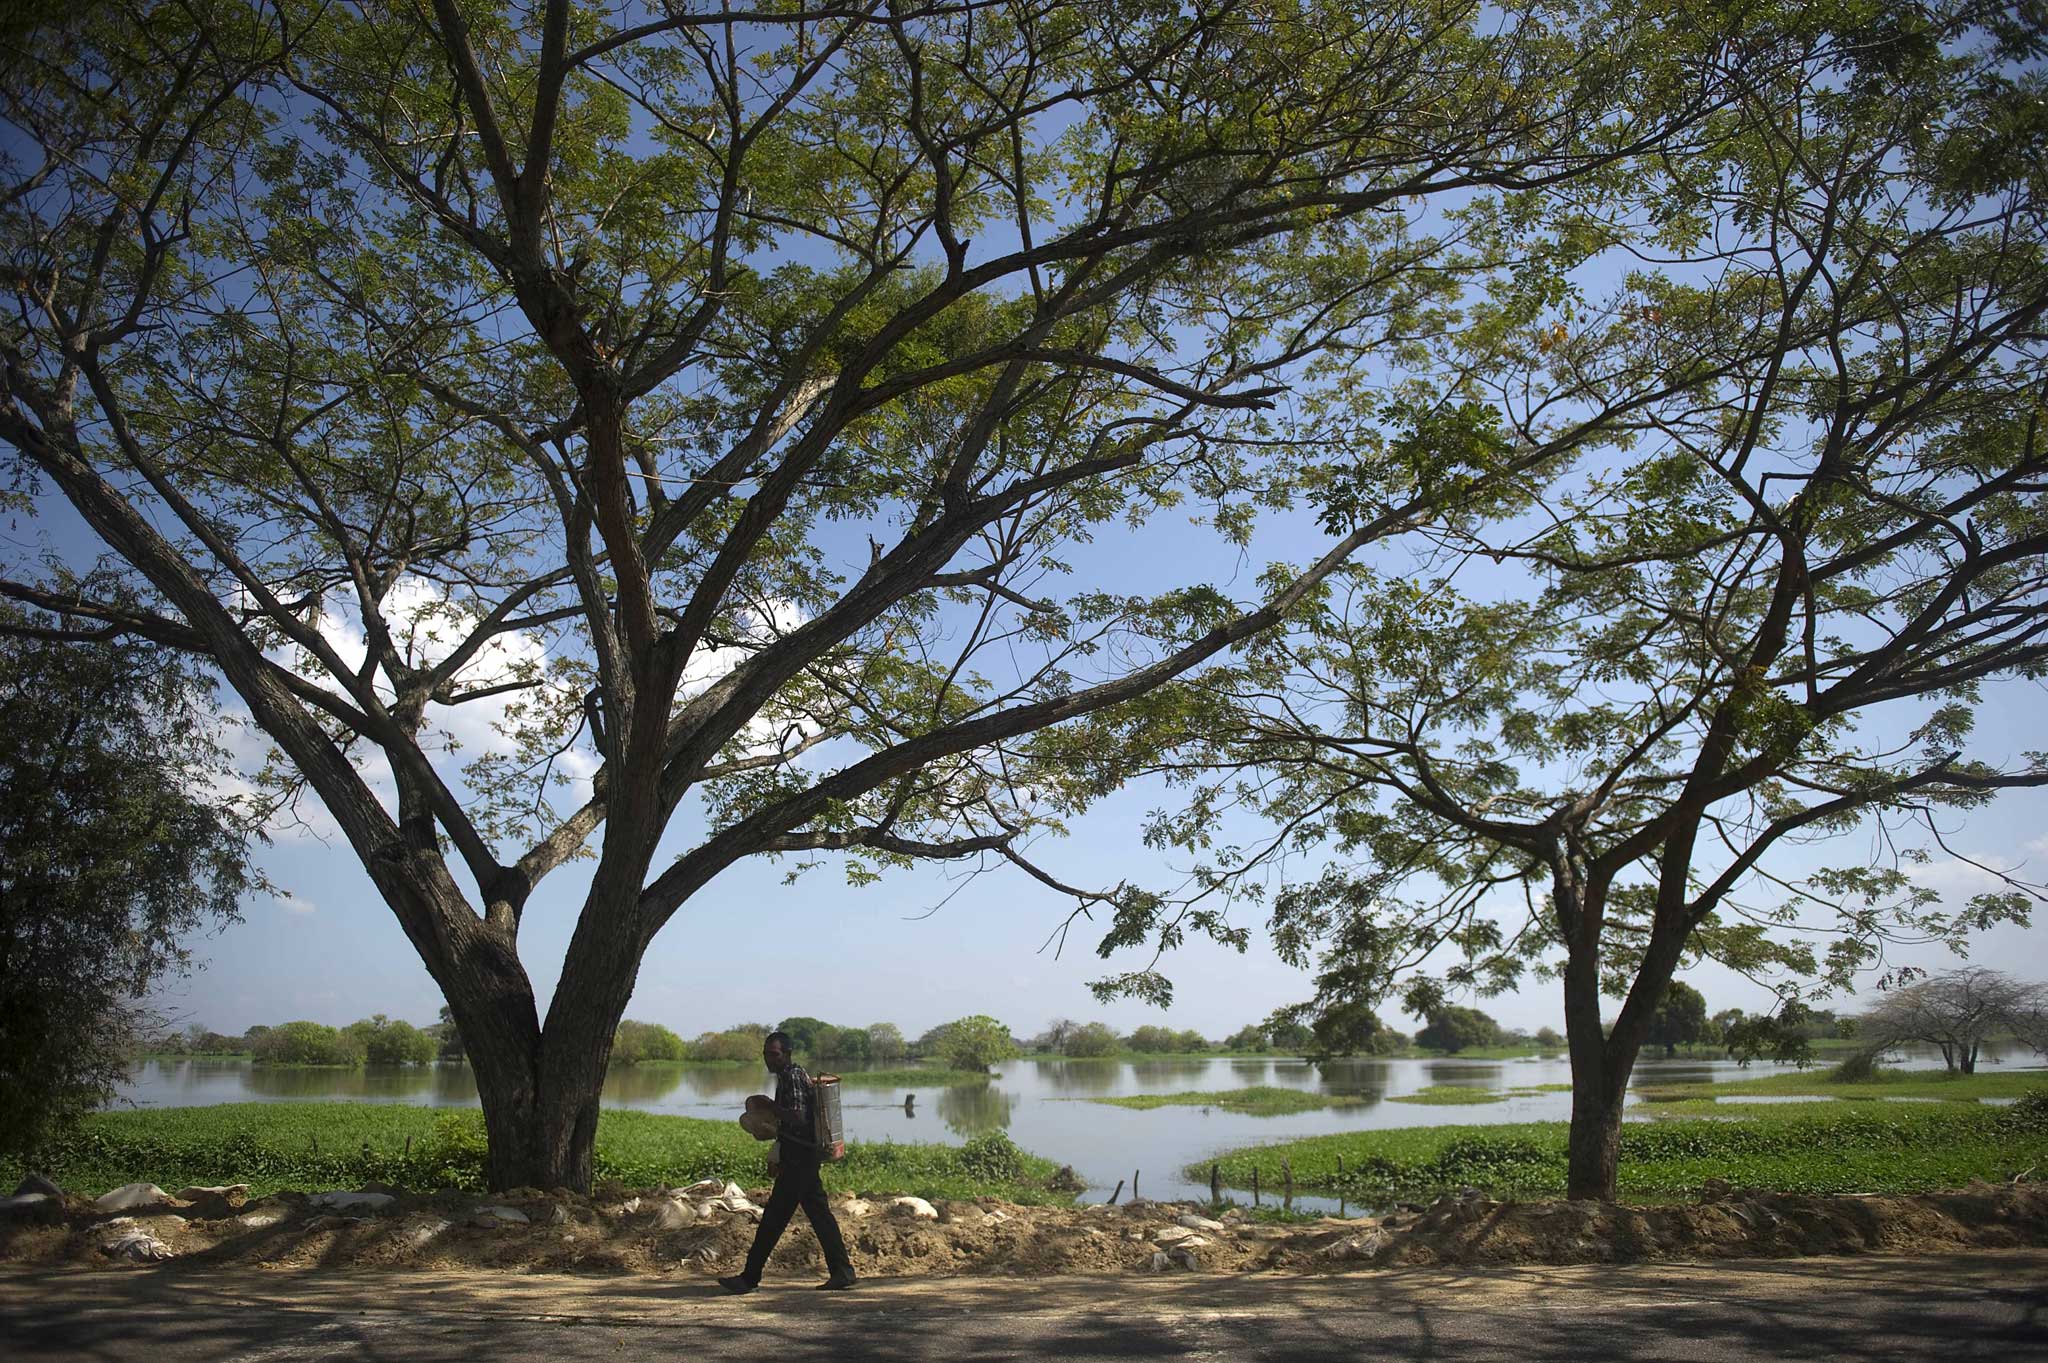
(796, 1179)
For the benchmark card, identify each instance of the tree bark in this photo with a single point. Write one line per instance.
(540, 1101)
(1594, 1151)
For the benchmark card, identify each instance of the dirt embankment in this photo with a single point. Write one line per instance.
(706, 1231)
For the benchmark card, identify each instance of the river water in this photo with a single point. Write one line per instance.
(1041, 1103)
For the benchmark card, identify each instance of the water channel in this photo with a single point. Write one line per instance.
(1040, 1103)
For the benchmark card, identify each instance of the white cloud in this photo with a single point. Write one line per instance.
(1956, 880)
(296, 904)
(427, 627)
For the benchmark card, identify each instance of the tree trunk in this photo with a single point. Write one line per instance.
(541, 1124)
(1594, 1152)
(540, 1101)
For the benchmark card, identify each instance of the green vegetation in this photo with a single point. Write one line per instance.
(1883, 1083)
(1458, 1029)
(335, 1145)
(111, 849)
(640, 1042)
(974, 1043)
(308, 1043)
(1258, 1101)
(1813, 1148)
(1450, 1095)
(387, 1041)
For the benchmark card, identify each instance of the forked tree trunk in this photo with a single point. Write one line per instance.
(540, 1101)
(541, 1127)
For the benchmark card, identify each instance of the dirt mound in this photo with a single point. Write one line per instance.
(537, 1232)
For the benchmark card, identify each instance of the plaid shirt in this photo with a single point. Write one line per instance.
(796, 1109)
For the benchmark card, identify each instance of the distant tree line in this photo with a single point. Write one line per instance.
(375, 1040)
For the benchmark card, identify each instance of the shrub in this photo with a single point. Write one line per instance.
(975, 1043)
(994, 1157)
(2029, 1114)
(307, 1043)
(1152, 1038)
(382, 1041)
(734, 1043)
(1860, 1068)
(1455, 1029)
(1091, 1039)
(638, 1041)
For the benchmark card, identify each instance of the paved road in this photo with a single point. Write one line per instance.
(1980, 1306)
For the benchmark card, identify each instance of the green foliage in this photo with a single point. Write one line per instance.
(994, 1157)
(2028, 1114)
(1881, 1083)
(313, 1146)
(805, 1034)
(110, 855)
(1859, 1068)
(638, 1042)
(385, 1041)
(1156, 1040)
(308, 1043)
(885, 1041)
(1776, 1037)
(975, 1043)
(1680, 1019)
(1450, 1095)
(740, 1045)
(1257, 1100)
(1451, 1029)
(993, 277)
(1091, 1040)
(1840, 1149)
(1250, 1037)
(1288, 1035)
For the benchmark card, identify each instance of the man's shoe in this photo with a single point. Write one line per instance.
(737, 1285)
(836, 1283)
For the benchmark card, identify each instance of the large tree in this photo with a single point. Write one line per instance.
(714, 395)
(1680, 1019)
(1586, 733)
(1956, 1011)
(115, 847)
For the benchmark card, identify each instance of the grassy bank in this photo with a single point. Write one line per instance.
(1884, 1083)
(315, 1146)
(1259, 1101)
(1804, 1147)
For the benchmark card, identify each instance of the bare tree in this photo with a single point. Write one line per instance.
(1957, 1011)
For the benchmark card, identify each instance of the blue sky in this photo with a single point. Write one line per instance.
(921, 947)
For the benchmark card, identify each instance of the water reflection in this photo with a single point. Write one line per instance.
(975, 1109)
(1464, 1073)
(1080, 1078)
(641, 1085)
(1163, 1075)
(1351, 1078)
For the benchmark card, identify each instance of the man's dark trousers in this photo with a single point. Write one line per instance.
(798, 1185)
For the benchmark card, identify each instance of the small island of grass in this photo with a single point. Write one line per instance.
(1450, 1095)
(1257, 1101)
